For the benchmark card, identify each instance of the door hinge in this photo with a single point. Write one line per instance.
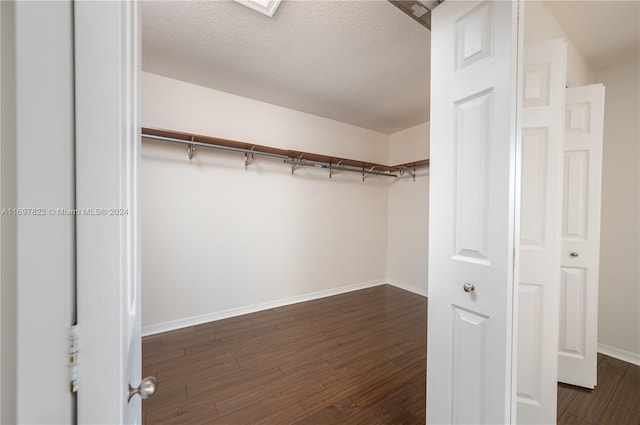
(74, 337)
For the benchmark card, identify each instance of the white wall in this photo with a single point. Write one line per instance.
(540, 25)
(618, 320)
(218, 240)
(408, 225)
(8, 289)
(619, 315)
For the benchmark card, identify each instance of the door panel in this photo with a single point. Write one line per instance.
(472, 214)
(469, 377)
(573, 291)
(576, 188)
(107, 155)
(580, 253)
(534, 181)
(472, 140)
(545, 65)
(530, 355)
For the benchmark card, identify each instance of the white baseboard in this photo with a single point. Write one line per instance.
(619, 354)
(408, 287)
(224, 314)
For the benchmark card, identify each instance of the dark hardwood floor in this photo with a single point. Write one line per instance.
(356, 358)
(614, 401)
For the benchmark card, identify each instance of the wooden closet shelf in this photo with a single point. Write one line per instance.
(213, 141)
(291, 155)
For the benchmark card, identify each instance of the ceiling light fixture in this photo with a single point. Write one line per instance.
(266, 7)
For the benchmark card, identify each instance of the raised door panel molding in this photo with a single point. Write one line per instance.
(473, 117)
(469, 374)
(474, 36)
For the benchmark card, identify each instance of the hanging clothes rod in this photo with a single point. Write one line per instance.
(409, 167)
(335, 167)
(208, 145)
(295, 158)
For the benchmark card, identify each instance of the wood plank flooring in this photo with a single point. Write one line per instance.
(355, 358)
(614, 401)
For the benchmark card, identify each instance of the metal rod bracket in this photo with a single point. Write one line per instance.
(294, 165)
(338, 166)
(366, 173)
(248, 158)
(191, 149)
(412, 172)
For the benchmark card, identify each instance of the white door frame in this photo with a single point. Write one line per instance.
(37, 248)
(107, 156)
(8, 287)
(106, 163)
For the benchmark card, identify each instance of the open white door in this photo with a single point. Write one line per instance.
(544, 79)
(473, 217)
(107, 152)
(580, 257)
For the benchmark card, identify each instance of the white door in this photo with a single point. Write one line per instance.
(474, 213)
(544, 79)
(107, 156)
(580, 255)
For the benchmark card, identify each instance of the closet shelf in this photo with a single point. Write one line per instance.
(290, 156)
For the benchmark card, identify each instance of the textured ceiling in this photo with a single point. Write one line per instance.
(606, 32)
(361, 62)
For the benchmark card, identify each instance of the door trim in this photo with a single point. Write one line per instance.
(107, 52)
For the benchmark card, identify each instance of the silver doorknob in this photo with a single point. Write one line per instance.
(574, 254)
(469, 287)
(145, 390)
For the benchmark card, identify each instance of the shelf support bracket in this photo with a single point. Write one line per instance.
(294, 166)
(411, 172)
(248, 158)
(191, 149)
(338, 166)
(366, 173)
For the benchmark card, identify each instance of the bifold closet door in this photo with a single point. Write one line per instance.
(473, 212)
(544, 79)
(580, 255)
